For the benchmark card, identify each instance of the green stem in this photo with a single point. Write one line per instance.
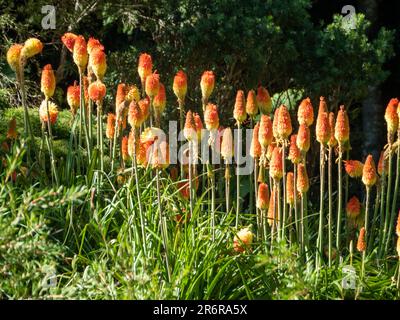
(227, 186)
(394, 200)
(340, 192)
(238, 175)
(114, 148)
(366, 225)
(321, 206)
(164, 234)
(283, 189)
(84, 115)
(330, 209)
(50, 144)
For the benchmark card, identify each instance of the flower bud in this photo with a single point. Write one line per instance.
(305, 113)
(180, 85)
(284, 124)
(255, 148)
(353, 208)
(322, 129)
(263, 196)
(211, 118)
(265, 134)
(207, 84)
(276, 165)
(354, 168)
(68, 39)
(48, 81)
(369, 172)
(302, 179)
(342, 128)
(361, 243)
(31, 47)
(53, 112)
(110, 130)
(152, 84)
(290, 188)
(391, 117)
(227, 145)
(97, 61)
(145, 66)
(80, 53)
(239, 110)
(251, 104)
(97, 91)
(303, 138)
(264, 102)
(294, 151)
(13, 56)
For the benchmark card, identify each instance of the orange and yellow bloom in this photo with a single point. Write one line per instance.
(48, 81)
(180, 85)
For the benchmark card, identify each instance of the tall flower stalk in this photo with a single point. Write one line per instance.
(239, 113)
(227, 154)
(302, 187)
(342, 133)
(255, 153)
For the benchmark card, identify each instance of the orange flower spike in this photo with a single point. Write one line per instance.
(276, 165)
(135, 115)
(48, 81)
(305, 113)
(263, 196)
(31, 47)
(160, 100)
(132, 93)
(227, 144)
(94, 44)
(97, 91)
(180, 85)
(189, 131)
(242, 240)
(284, 125)
(68, 39)
(265, 134)
(211, 118)
(322, 129)
(383, 165)
(144, 106)
(271, 208)
(369, 172)
(80, 53)
(110, 130)
(199, 125)
(207, 84)
(255, 148)
(354, 168)
(124, 148)
(361, 243)
(398, 225)
(13, 56)
(332, 140)
(342, 128)
(152, 84)
(145, 66)
(239, 110)
(353, 208)
(251, 104)
(12, 129)
(73, 97)
(97, 60)
(303, 138)
(263, 100)
(391, 117)
(53, 112)
(302, 179)
(275, 124)
(294, 151)
(290, 188)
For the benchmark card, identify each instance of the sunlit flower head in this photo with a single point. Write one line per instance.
(211, 118)
(272, 216)
(265, 134)
(227, 144)
(354, 168)
(305, 113)
(361, 243)
(189, 131)
(135, 115)
(263, 100)
(383, 164)
(152, 84)
(48, 81)
(284, 124)
(294, 151)
(110, 130)
(160, 100)
(180, 85)
(342, 127)
(332, 140)
(68, 39)
(145, 66)
(132, 93)
(239, 110)
(73, 97)
(144, 106)
(207, 84)
(302, 179)
(13, 56)
(322, 128)
(243, 240)
(276, 164)
(199, 125)
(53, 112)
(31, 47)
(80, 53)
(263, 196)
(303, 138)
(251, 104)
(94, 44)
(369, 172)
(97, 91)
(255, 148)
(391, 116)
(98, 63)
(290, 188)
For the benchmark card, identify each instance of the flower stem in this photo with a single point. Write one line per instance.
(50, 144)
(340, 192)
(367, 216)
(227, 186)
(238, 175)
(330, 209)
(283, 190)
(321, 206)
